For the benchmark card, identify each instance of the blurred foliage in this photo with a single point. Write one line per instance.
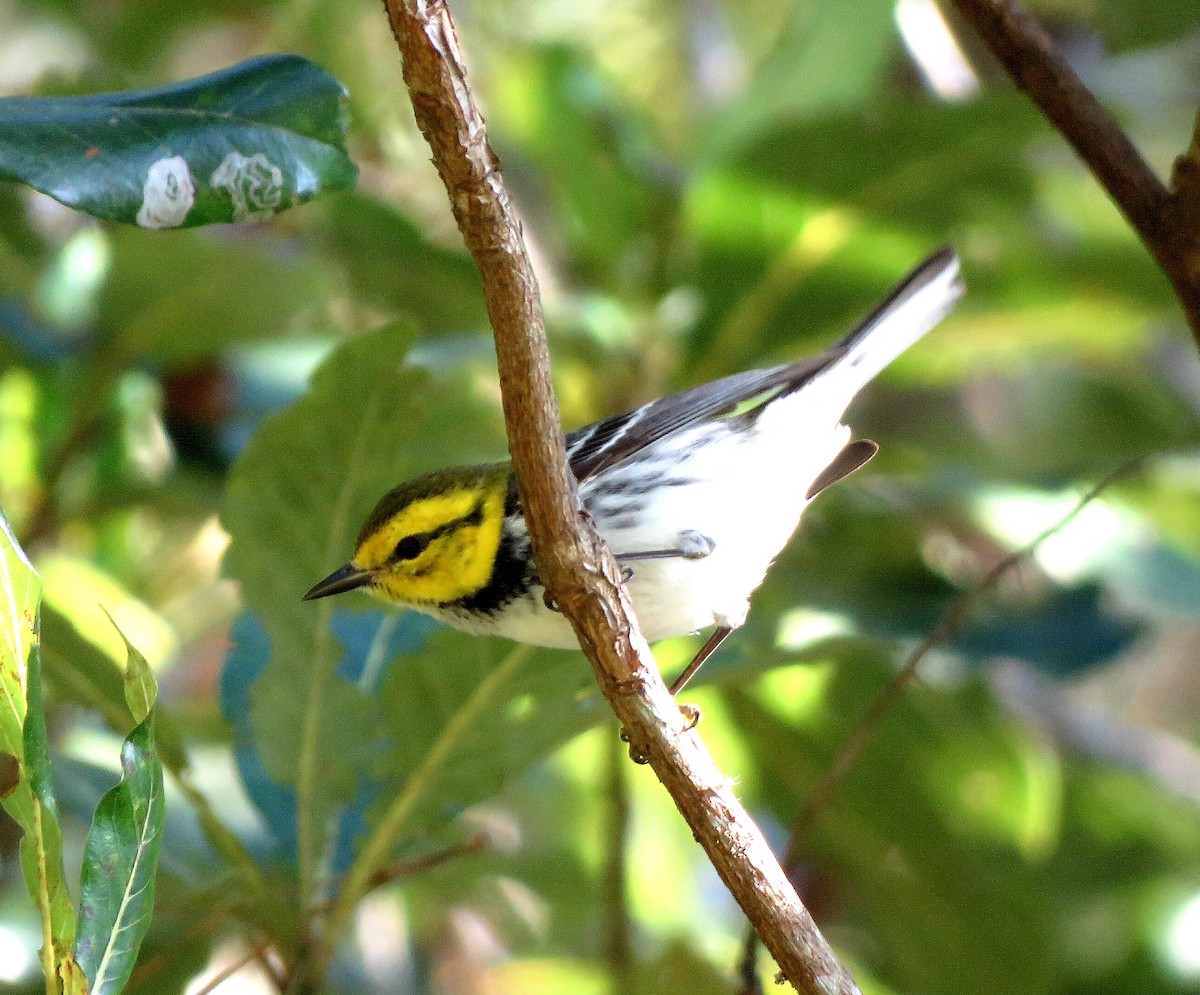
(705, 187)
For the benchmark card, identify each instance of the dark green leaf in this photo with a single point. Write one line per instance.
(119, 862)
(242, 144)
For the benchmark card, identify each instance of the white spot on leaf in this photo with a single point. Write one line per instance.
(167, 195)
(253, 183)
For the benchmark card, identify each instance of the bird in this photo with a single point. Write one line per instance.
(695, 494)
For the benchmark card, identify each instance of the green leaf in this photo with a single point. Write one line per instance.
(604, 186)
(42, 844)
(804, 227)
(41, 856)
(204, 295)
(81, 672)
(30, 800)
(392, 263)
(956, 851)
(141, 689)
(274, 712)
(241, 144)
(819, 64)
(20, 590)
(465, 745)
(304, 484)
(293, 506)
(119, 861)
(74, 981)
(1142, 24)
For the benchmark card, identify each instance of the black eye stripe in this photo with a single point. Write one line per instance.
(412, 546)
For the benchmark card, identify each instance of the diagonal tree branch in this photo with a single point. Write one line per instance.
(576, 568)
(1165, 221)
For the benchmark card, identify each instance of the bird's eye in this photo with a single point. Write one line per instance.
(410, 547)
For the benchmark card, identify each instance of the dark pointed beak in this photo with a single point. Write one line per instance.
(343, 579)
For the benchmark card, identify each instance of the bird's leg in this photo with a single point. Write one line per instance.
(692, 546)
(720, 634)
(691, 712)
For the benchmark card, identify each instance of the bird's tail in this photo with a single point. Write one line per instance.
(918, 303)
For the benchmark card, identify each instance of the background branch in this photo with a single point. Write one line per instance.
(955, 617)
(577, 570)
(1164, 220)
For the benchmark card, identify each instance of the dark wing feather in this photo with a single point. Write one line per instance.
(595, 448)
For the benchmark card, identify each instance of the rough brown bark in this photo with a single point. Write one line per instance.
(575, 567)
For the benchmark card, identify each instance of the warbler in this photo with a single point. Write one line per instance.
(695, 494)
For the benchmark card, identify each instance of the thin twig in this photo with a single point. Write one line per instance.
(962, 608)
(418, 865)
(1163, 221)
(251, 956)
(578, 571)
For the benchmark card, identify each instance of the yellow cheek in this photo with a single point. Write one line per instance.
(453, 567)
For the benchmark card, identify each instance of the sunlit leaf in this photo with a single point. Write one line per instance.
(603, 188)
(819, 64)
(942, 783)
(141, 689)
(20, 590)
(29, 796)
